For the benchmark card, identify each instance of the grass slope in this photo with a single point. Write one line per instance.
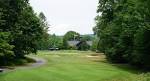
(74, 66)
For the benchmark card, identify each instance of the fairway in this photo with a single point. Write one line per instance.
(70, 66)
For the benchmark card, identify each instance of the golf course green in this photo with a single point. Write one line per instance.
(74, 66)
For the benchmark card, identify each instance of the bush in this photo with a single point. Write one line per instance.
(94, 44)
(83, 46)
(72, 47)
(6, 52)
(141, 53)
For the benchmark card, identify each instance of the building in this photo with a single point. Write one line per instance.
(74, 43)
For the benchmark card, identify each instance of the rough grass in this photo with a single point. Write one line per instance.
(75, 66)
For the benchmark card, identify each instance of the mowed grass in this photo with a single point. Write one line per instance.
(74, 66)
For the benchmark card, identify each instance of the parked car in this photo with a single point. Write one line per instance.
(1, 70)
(52, 49)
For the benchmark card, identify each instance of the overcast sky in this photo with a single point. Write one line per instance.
(66, 15)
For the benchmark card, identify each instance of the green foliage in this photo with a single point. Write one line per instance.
(87, 37)
(28, 34)
(94, 44)
(123, 29)
(70, 36)
(83, 46)
(43, 43)
(44, 24)
(141, 54)
(52, 41)
(5, 48)
(72, 47)
(20, 29)
(55, 41)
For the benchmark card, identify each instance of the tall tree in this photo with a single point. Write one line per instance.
(29, 32)
(20, 29)
(123, 29)
(43, 43)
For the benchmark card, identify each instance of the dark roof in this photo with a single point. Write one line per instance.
(74, 43)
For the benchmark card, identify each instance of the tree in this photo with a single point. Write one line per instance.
(44, 22)
(123, 29)
(94, 46)
(83, 46)
(29, 32)
(20, 29)
(55, 41)
(141, 55)
(43, 43)
(87, 37)
(9, 10)
(70, 36)
(5, 49)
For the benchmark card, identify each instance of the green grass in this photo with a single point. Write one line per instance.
(75, 66)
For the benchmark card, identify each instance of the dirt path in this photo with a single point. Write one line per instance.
(39, 62)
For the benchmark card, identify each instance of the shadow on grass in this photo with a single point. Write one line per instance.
(124, 67)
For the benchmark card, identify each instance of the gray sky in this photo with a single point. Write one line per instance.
(66, 15)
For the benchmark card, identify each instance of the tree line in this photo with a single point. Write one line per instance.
(123, 29)
(62, 42)
(20, 30)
